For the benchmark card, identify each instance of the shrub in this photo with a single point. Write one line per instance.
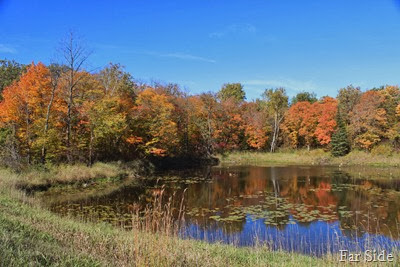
(382, 149)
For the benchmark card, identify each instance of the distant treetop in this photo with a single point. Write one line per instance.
(304, 96)
(232, 90)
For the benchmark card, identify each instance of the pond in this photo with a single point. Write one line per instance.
(308, 209)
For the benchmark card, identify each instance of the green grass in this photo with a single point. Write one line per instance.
(312, 157)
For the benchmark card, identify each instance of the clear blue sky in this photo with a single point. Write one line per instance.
(316, 45)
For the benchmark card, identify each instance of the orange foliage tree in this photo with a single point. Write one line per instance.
(27, 107)
(300, 124)
(255, 125)
(368, 120)
(155, 125)
(327, 109)
(309, 123)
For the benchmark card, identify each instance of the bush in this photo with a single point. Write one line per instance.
(382, 149)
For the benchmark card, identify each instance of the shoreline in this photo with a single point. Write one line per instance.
(316, 157)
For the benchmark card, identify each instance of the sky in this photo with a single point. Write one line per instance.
(310, 45)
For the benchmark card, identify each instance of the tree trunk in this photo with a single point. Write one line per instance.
(46, 125)
(69, 115)
(91, 148)
(274, 136)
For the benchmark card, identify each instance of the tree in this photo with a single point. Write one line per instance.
(368, 120)
(277, 104)
(304, 96)
(300, 123)
(74, 55)
(347, 98)
(327, 109)
(391, 98)
(10, 71)
(116, 81)
(255, 125)
(340, 144)
(55, 72)
(202, 125)
(26, 108)
(232, 90)
(229, 131)
(155, 125)
(102, 120)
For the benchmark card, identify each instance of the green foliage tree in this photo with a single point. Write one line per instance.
(232, 90)
(9, 72)
(116, 81)
(304, 96)
(339, 142)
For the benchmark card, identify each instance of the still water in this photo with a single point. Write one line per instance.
(311, 210)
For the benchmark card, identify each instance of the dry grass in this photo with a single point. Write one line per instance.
(312, 157)
(68, 174)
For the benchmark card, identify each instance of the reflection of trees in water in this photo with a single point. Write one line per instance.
(316, 188)
(376, 210)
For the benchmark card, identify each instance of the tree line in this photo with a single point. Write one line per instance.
(64, 113)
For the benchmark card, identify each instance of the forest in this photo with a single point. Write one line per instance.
(65, 113)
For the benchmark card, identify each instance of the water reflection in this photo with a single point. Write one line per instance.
(308, 209)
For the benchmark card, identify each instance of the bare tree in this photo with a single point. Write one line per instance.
(74, 56)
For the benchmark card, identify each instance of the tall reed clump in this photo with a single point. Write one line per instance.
(161, 215)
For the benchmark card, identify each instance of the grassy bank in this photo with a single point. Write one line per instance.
(313, 157)
(36, 178)
(31, 235)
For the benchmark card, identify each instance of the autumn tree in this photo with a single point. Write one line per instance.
(277, 104)
(27, 107)
(255, 124)
(155, 126)
(368, 120)
(300, 124)
(229, 132)
(202, 123)
(102, 120)
(391, 98)
(327, 109)
(347, 98)
(232, 90)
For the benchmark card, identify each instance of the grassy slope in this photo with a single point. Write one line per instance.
(31, 235)
(313, 157)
